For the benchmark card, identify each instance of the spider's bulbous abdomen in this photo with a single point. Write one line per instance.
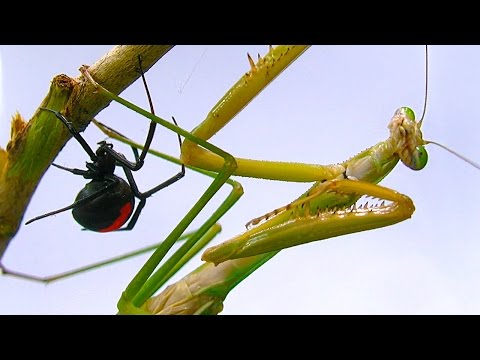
(107, 212)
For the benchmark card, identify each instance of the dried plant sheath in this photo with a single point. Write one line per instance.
(32, 147)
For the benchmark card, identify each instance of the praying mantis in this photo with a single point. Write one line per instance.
(292, 272)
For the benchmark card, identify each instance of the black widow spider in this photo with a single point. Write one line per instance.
(107, 201)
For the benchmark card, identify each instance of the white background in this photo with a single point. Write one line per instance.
(330, 104)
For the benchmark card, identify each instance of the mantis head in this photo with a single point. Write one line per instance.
(409, 139)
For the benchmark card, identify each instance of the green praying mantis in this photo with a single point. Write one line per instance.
(300, 214)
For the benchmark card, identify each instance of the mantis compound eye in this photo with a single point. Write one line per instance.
(408, 112)
(419, 158)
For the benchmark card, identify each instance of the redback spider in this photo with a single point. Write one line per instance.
(107, 201)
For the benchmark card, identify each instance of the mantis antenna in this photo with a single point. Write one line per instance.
(426, 87)
(464, 158)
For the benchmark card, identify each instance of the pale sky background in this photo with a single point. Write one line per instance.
(330, 104)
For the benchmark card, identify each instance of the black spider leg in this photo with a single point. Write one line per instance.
(142, 196)
(74, 133)
(139, 160)
(86, 174)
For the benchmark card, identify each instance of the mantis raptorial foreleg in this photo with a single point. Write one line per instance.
(305, 222)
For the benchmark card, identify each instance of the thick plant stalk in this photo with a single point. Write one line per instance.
(35, 144)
